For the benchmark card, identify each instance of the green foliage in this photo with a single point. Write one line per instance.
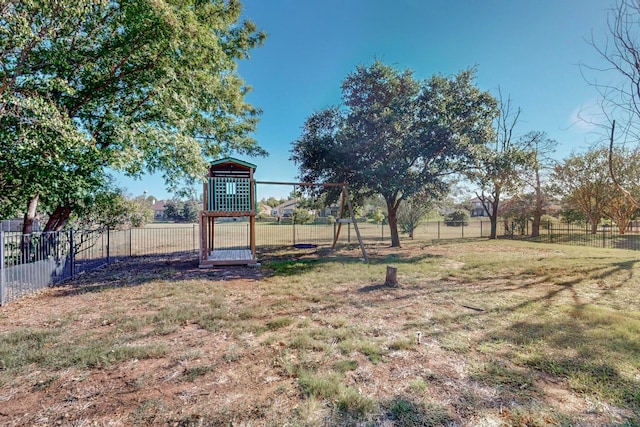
(190, 210)
(343, 366)
(279, 322)
(466, 205)
(395, 136)
(409, 413)
(303, 216)
(457, 218)
(500, 165)
(517, 211)
(548, 221)
(325, 387)
(111, 209)
(355, 404)
(273, 202)
(182, 211)
(132, 86)
(584, 184)
(412, 212)
(572, 216)
(377, 216)
(330, 387)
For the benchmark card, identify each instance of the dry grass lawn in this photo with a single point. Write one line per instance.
(479, 333)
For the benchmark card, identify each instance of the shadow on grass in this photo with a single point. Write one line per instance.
(140, 270)
(575, 352)
(290, 263)
(374, 288)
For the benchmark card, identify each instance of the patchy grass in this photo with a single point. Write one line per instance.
(477, 333)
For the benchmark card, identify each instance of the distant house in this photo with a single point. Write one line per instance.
(333, 210)
(478, 208)
(264, 210)
(285, 209)
(158, 210)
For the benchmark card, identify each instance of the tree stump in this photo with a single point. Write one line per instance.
(392, 276)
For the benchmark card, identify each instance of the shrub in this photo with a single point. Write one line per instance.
(548, 221)
(303, 216)
(457, 218)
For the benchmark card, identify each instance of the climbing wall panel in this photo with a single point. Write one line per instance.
(229, 194)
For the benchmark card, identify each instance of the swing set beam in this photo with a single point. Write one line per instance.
(305, 184)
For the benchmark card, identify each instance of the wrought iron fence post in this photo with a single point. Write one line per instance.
(2, 268)
(438, 230)
(130, 239)
(108, 245)
(72, 255)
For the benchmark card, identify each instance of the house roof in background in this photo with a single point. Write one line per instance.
(158, 205)
(287, 204)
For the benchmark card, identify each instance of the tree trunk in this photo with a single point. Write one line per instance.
(491, 210)
(30, 215)
(494, 227)
(393, 225)
(537, 213)
(594, 227)
(58, 218)
(27, 228)
(493, 218)
(53, 219)
(391, 278)
(535, 226)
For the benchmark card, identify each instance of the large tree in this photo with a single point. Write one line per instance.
(394, 135)
(540, 165)
(584, 183)
(136, 86)
(619, 87)
(499, 165)
(623, 205)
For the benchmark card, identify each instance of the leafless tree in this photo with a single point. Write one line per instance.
(620, 90)
(540, 148)
(499, 165)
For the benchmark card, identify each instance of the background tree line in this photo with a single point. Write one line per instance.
(90, 86)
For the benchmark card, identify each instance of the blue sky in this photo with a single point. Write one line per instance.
(531, 49)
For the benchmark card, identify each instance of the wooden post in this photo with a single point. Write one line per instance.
(392, 276)
(252, 217)
(355, 223)
(205, 195)
(203, 237)
(336, 234)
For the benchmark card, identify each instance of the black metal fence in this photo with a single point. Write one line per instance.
(605, 235)
(38, 260)
(32, 262)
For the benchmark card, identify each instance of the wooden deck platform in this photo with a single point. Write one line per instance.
(229, 257)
